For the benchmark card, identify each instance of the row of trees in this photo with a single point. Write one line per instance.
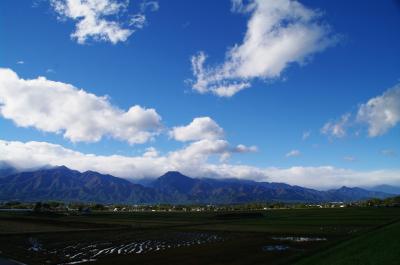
(388, 202)
(60, 206)
(80, 207)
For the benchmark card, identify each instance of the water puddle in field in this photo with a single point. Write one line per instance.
(87, 252)
(290, 239)
(300, 239)
(275, 248)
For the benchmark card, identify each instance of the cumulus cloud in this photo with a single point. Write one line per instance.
(279, 33)
(200, 151)
(99, 20)
(379, 115)
(191, 160)
(200, 128)
(207, 138)
(80, 116)
(293, 153)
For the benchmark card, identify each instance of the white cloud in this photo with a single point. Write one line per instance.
(325, 177)
(151, 152)
(237, 6)
(199, 152)
(279, 33)
(20, 62)
(138, 20)
(381, 113)
(337, 128)
(293, 153)
(151, 5)
(192, 161)
(80, 116)
(200, 128)
(99, 20)
(208, 137)
(245, 149)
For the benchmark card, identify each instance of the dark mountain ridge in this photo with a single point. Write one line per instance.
(62, 183)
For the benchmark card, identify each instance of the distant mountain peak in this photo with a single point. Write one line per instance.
(168, 173)
(62, 167)
(174, 175)
(174, 180)
(63, 170)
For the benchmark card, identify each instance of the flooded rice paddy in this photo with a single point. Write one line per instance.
(290, 239)
(275, 248)
(300, 239)
(87, 252)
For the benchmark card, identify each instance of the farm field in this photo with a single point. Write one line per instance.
(376, 247)
(290, 236)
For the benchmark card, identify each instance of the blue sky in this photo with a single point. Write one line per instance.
(152, 68)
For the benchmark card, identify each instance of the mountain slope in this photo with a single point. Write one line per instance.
(351, 194)
(6, 169)
(62, 183)
(175, 187)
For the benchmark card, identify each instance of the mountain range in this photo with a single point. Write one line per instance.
(62, 183)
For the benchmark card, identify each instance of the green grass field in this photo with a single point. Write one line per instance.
(379, 246)
(292, 236)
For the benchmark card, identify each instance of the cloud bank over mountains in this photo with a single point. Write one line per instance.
(61, 108)
(191, 160)
(279, 33)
